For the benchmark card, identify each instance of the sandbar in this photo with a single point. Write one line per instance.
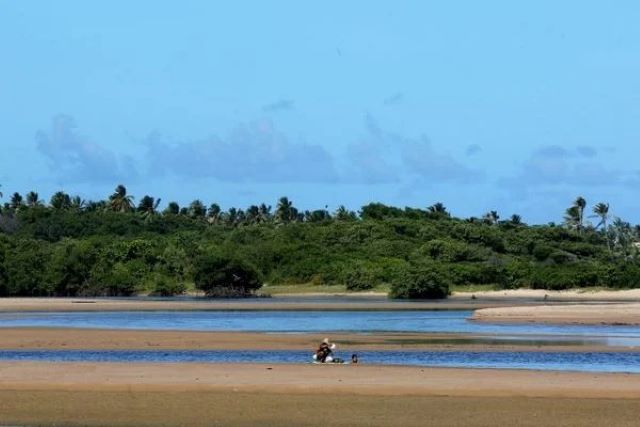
(586, 314)
(123, 339)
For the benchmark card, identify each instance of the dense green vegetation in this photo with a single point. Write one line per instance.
(71, 247)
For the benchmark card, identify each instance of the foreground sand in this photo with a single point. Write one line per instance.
(611, 314)
(248, 395)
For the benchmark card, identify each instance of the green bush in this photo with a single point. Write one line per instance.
(167, 288)
(516, 274)
(421, 283)
(26, 269)
(359, 279)
(621, 275)
(219, 275)
(114, 280)
(562, 257)
(541, 252)
(555, 277)
(70, 266)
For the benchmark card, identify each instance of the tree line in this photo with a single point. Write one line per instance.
(69, 246)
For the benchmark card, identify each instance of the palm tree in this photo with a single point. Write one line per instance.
(438, 210)
(214, 213)
(148, 207)
(78, 203)
(242, 217)
(120, 201)
(264, 212)
(580, 204)
(172, 209)
(16, 201)
(197, 209)
(232, 216)
(572, 217)
(1, 195)
(33, 200)
(515, 219)
(285, 211)
(253, 214)
(601, 210)
(343, 214)
(491, 217)
(60, 200)
(622, 234)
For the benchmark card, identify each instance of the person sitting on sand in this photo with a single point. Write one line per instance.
(323, 354)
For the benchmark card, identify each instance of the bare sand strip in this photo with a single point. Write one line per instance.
(274, 395)
(279, 303)
(309, 379)
(570, 295)
(359, 301)
(592, 314)
(110, 339)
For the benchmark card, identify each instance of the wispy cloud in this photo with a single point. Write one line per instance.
(394, 99)
(254, 152)
(473, 149)
(382, 157)
(74, 158)
(554, 166)
(280, 105)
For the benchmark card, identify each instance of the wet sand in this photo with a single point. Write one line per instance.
(110, 339)
(587, 314)
(252, 394)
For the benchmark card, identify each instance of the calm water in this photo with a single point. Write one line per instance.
(363, 322)
(562, 361)
(305, 321)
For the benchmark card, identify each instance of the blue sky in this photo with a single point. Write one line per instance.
(480, 105)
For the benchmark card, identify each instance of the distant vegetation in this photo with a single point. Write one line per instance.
(70, 247)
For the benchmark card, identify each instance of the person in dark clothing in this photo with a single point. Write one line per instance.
(323, 354)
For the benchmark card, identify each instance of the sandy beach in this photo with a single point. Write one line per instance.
(591, 314)
(253, 394)
(178, 394)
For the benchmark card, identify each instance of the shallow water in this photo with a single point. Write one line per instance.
(560, 361)
(363, 322)
(319, 321)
